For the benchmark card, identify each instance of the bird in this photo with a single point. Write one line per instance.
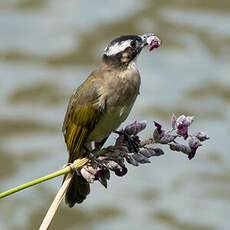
(101, 103)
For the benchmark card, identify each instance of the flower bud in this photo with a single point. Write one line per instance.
(89, 177)
(158, 127)
(157, 151)
(112, 165)
(121, 171)
(184, 120)
(180, 148)
(202, 136)
(130, 159)
(147, 152)
(135, 127)
(140, 158)
(173, 121)
(166, 138)
(194, 142)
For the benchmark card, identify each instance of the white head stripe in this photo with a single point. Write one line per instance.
(117, 47)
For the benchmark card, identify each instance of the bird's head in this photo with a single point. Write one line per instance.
(124, 49)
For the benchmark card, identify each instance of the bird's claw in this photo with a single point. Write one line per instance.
(132, 143)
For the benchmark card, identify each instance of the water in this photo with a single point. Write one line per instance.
(47, 48)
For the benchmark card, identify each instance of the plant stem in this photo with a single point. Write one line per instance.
(55, 204)
(34, 182)
(76, 164)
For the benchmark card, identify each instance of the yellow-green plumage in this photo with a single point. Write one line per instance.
(81, 117)
(82, 114)
(102, 102)
(97, 107)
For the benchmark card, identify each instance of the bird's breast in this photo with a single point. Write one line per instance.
(119, 93)
(122, 87)
(110, 120)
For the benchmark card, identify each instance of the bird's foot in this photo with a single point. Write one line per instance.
(99, 145)
(132, 142)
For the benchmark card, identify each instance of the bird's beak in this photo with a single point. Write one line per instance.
(150, 39)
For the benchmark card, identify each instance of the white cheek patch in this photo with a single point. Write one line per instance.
(117, 48)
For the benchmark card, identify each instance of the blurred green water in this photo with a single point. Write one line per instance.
(48, 47)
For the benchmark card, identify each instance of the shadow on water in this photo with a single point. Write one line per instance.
(7, 165)
(21, 126)
(212, 89)
(45, 93)
(173, 222)
(164, 113)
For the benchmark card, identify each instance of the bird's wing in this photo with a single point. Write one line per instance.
(84, 110)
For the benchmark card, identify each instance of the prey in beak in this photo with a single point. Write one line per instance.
(152, 40)
(124, 49)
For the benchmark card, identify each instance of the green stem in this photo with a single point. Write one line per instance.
(34, 182)
(67, 169)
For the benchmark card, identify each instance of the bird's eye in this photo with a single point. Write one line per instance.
(133, 44)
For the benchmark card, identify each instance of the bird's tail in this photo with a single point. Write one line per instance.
(77, 191)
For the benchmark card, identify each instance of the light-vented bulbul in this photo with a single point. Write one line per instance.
(101, 103)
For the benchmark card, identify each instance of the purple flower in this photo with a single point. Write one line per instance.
(202, 136)
(98, 173)
(166, 138)
(155, 43)
(180, 148)
(102, 175)
(182, 124)
(193, 143)
(129, 147)
(135, 127)
(149, 152)
(158, 127)
(158, 132)
(88, 173)
(182, 130)
(160, 136)
(184, 120)
(121, 171)
(130, 159)
(140, 158)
